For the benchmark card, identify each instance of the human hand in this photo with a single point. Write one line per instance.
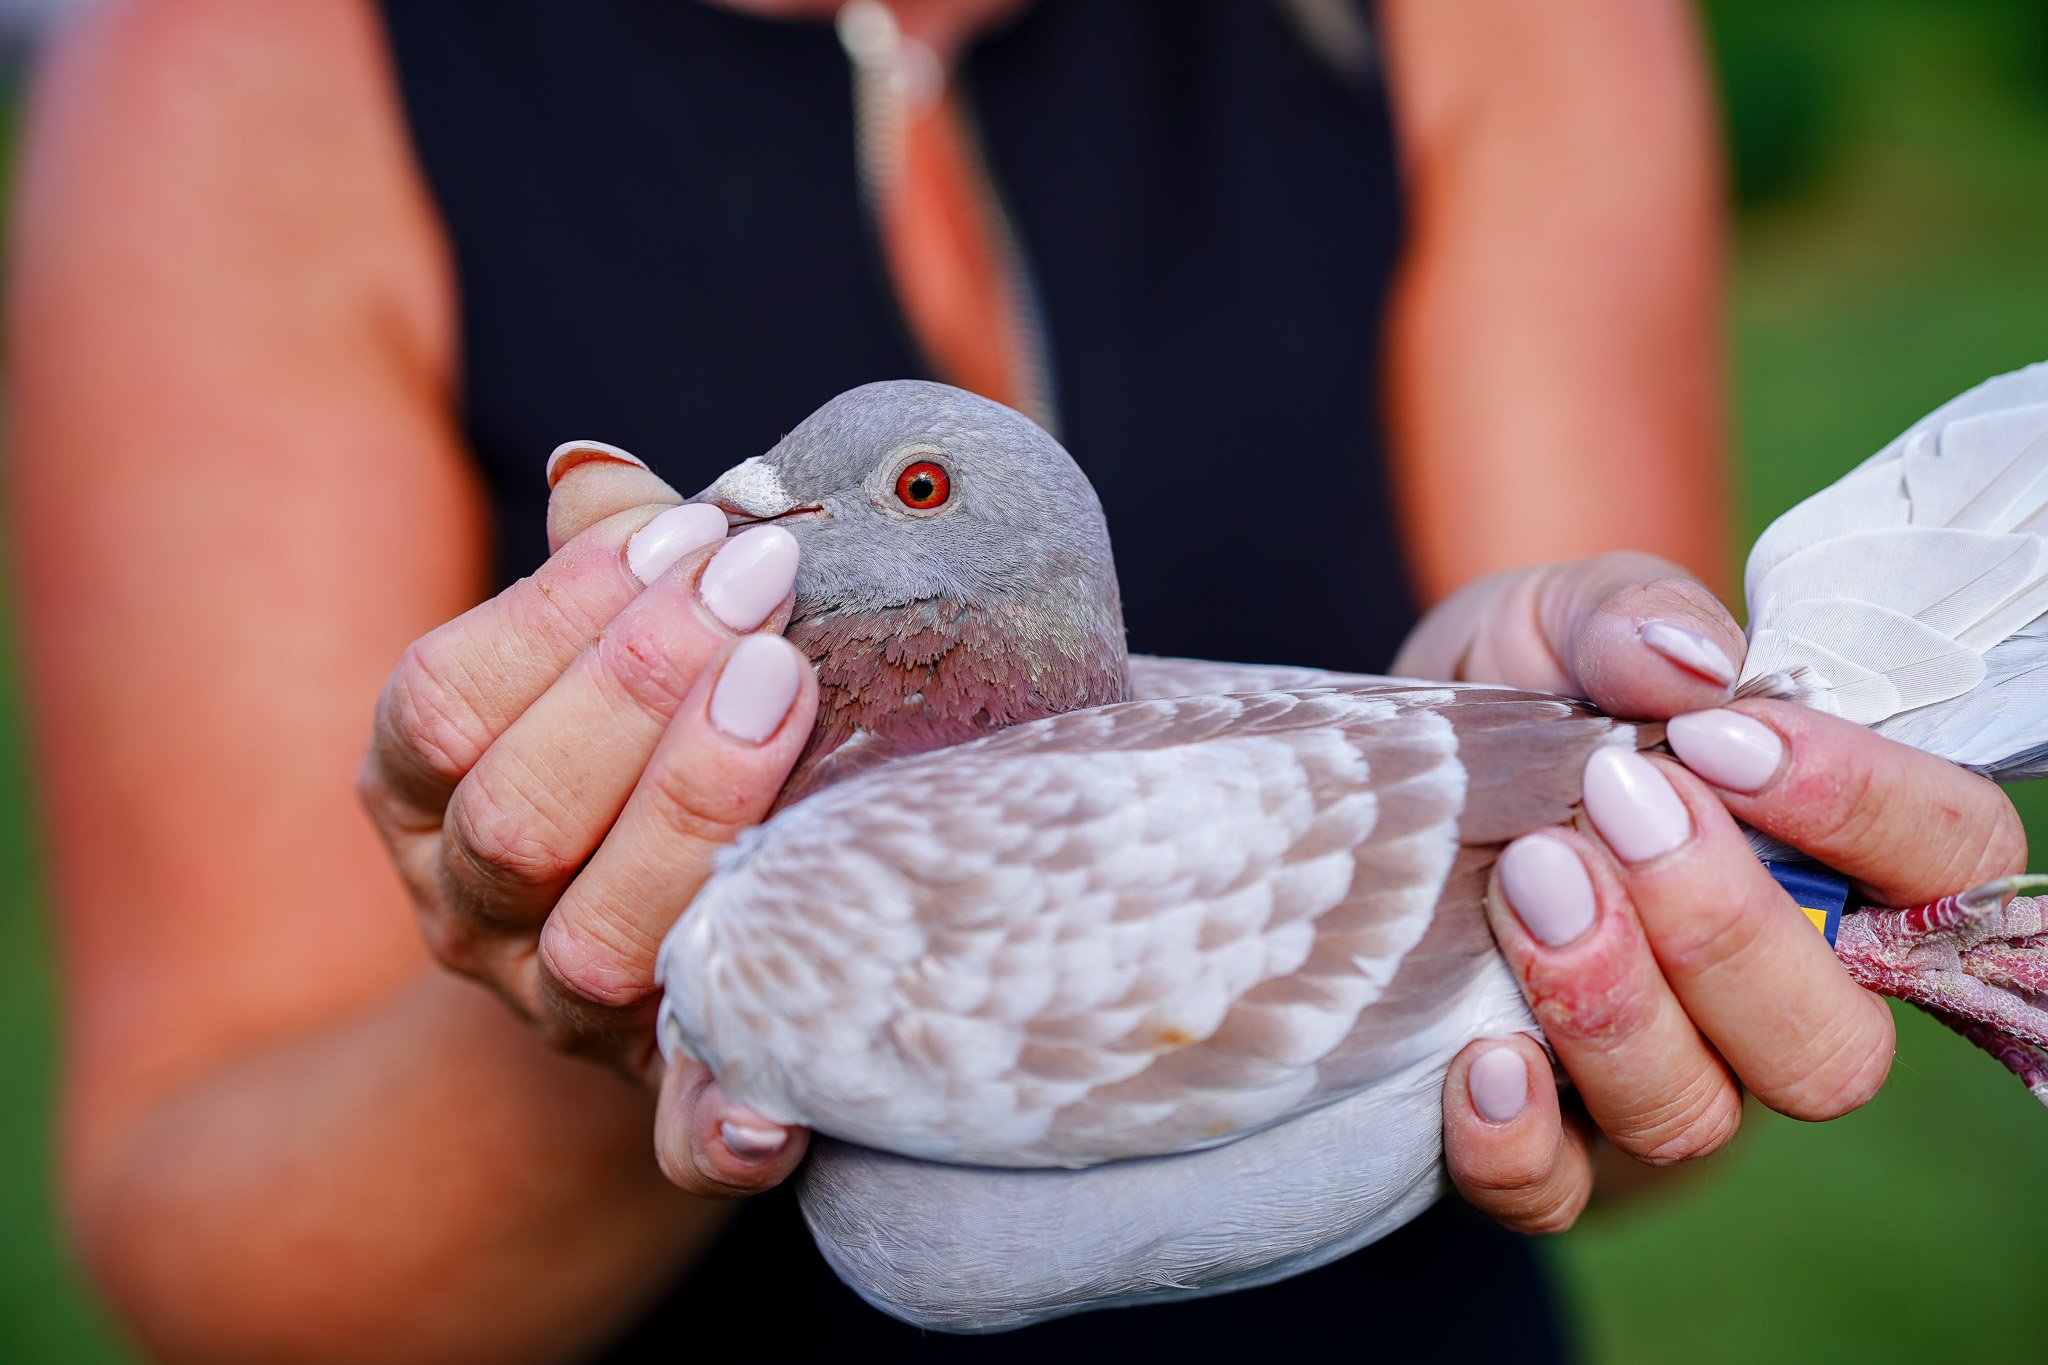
(1666, 967)
(554, 770)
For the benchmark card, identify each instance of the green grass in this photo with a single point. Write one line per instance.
(1894, 165)
(1908, 266)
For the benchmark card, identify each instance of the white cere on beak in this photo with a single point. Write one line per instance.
(754, 488)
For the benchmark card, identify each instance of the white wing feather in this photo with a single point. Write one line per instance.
(1908, 595)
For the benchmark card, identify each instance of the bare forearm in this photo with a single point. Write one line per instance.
(422, 1182)
(1554, 340)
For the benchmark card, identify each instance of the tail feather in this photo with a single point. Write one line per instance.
(1912, 596)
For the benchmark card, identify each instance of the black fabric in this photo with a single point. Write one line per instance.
(1449, 1286)
(659, 242)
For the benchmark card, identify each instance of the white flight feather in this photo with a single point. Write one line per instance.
(1908, 595)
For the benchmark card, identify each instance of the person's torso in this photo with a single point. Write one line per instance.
(661, 243)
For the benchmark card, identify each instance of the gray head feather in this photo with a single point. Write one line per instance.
(1019, 519)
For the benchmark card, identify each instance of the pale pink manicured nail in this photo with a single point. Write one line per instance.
(755, 690)
(1633, 806)
(656, 547)
(569, 454)
(1689, 649)
(751, 1136)
(1727, 748)
(1498, 1083)
(1547, 887)
(748, 578)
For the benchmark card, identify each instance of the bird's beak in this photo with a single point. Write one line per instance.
(751, 492)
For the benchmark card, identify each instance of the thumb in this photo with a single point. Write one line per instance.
(1639, 636)
(589, 481)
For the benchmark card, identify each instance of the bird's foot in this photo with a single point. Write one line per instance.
(1978, 962)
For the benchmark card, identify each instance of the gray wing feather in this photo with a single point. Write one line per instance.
(1139, 929)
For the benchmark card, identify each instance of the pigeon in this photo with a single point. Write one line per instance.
(1108, 979)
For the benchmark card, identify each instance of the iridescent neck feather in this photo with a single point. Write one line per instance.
(922, 676)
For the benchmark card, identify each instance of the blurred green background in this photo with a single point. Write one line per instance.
(1891, 176)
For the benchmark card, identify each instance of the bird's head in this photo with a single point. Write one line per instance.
(908, 492)
(955, 575)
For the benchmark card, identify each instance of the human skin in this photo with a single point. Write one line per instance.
(239, 496)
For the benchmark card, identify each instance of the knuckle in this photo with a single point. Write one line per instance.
(428, 717)
(545, 604)
(1558, 1215)
(617, 1036)
(453, 942)
(1708, 934)
(707, 813)
(676, 1166)
(1636, 572)
(1851, 1068)
(1507, 1180)
(494, 836)
(1981, 850)
(685, 1167)
(1831, 809)
(1598, 1007)
(599, 957)
(637, 655)
(2005, 848)
(373, 792)
(1530, 1193)
(1657, 582)
(1697, 1124)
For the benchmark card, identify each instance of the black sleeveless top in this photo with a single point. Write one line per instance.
(660, 242)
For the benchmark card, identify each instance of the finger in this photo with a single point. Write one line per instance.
(589, 481)
(1910, 826)
(1631, 632)
(1641, 638)
(711, 1146)
(716, 772)
(1765, 989)
(1506, 1144)
(536, 805)
(458, 688)
(1649, 1080)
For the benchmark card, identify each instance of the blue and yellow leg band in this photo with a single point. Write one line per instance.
(1821, 893)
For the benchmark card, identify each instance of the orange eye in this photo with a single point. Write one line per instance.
(923, 486)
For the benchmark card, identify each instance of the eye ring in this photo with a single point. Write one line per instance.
(923, 486)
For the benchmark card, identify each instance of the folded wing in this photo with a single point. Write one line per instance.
(1134, 930)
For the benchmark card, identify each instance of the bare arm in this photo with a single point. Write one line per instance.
(1555, 372)
(237, 496)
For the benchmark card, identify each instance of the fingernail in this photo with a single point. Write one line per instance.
(749, 577)
(752, 1136)
(656, 547)
(755, 690)
(1689, 649)
(1498, 1082)
(569, 454)
(1727, 748)
(1547, 887)
(1633, 806)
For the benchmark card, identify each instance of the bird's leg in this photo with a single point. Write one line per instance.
(1978, 962)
